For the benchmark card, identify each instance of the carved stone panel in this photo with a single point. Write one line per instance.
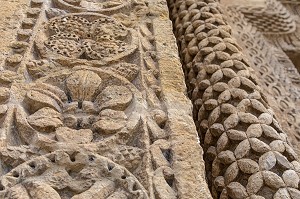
(87, 105)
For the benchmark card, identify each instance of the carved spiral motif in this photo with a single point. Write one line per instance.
(247, 153)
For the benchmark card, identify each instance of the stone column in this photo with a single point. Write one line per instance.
(246, 152)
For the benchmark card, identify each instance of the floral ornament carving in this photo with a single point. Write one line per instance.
(71, 174)
(92, 5)
(80, 38)
(85, 107)
(94, 110)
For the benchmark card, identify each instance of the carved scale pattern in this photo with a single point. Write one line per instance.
(288, 42)
(271, 18)
(280, 79)
(246, 152)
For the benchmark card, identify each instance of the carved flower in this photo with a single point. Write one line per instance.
(87, 106)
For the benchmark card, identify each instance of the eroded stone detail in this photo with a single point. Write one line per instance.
(247, 153)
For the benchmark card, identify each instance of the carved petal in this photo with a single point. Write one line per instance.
(114, 97)
(83, 84)
(37, 100)
(111, 121)
(45, 119)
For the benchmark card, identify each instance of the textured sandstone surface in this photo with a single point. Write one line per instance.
(97, 100)
(12, 11)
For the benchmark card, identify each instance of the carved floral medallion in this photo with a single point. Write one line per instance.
(81, 38)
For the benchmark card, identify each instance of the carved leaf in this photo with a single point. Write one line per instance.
(231, 121)
(270, 132)
(267, 161)
(291, 178)
(231, 173)
(222, 143)
(254, 130)
(214, 115)
(255, 183)
(37, 100)
(236, 190)
(248, 166)
(236, 135)
(226, 157)
(282, 194)
(259, 146)
(294, 193)
(273, 180)
(242, 149)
